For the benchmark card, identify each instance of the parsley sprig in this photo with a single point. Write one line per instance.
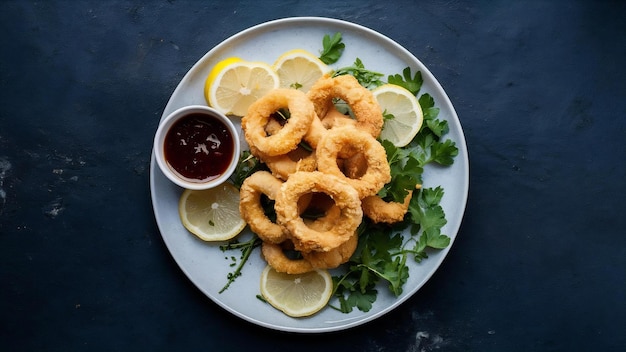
(412, 84)
(368, 79)
(332, 48)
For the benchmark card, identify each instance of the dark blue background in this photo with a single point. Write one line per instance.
(538, 265)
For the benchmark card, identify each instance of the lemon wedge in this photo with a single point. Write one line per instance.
(237, 84)
(212, 214)
(299, 69)
(296, 295)
(407, 114)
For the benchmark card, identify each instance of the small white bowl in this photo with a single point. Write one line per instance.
(159, 145)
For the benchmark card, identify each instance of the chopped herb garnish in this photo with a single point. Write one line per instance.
(246, 249)
(368, 79)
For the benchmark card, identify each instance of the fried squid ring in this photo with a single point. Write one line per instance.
(345, 197)
(354, 166)
(336, 257)
(361, 101)
(334, 118)
(321, 213)
(326, 222)
(281, 166)
(379, 210)
(275, 256)
(289, 136)
(315, 133)
(257, 184)
(345, 142)
(284, 165)
(320, 127)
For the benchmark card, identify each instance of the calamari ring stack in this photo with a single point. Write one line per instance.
(319, 160)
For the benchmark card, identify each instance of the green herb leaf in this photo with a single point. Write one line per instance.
(248, 164)
(333, 48)
(412, 84)
(437, 240)
(427, 148)
(350, 297)
(432, 217)
(397, 273)
(406, 173)
(430, 197)
(246, 249)
(444, 153)
(437, 127)
(368, 79)
(387, 116)
(425, 210)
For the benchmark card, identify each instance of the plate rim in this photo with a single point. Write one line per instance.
(312, 20)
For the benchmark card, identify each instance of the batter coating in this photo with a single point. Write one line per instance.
(290, 135)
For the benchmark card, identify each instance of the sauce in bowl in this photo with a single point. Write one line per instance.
(199, 147)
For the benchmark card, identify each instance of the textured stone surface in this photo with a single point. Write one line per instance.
(539, 263)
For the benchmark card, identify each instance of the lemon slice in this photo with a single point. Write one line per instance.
(296, 295)
(212, 214)
(238, 84)
(215, 71)
(299, 69)
(407, 114)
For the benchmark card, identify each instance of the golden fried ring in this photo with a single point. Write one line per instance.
(336, 257)
(276, 258)
(354, 166)
(289, 136)
(261, 182)
(345, 197)
(284, 165)
(273, 126)
(311, 137)
(346, 141)
(366, 109)
(315, 133)
(334, 118)
(379, 210)
(326, 222)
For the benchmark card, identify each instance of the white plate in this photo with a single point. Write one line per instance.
(206, 265)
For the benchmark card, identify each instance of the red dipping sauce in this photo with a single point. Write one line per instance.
(198, 147)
